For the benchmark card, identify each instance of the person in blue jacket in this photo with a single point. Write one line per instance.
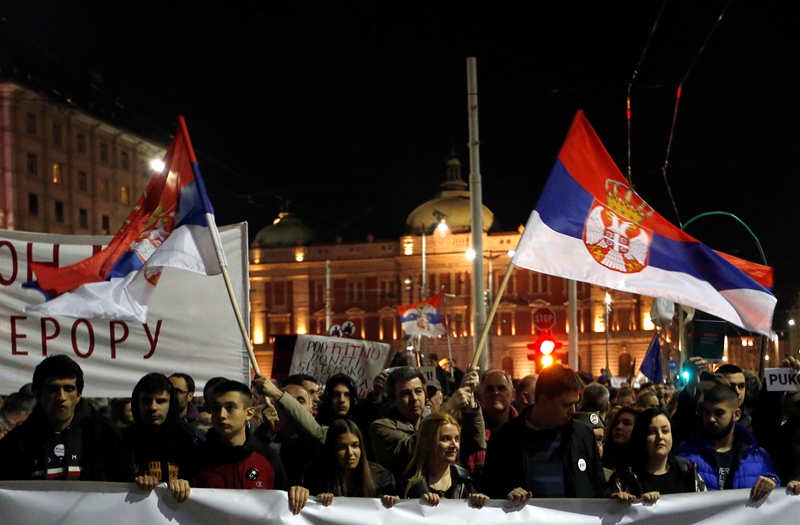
(727, 455)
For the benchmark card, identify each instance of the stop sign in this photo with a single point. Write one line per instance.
(544, 318)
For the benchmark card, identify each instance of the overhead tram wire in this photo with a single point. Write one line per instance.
(633, 78)
(675, 111)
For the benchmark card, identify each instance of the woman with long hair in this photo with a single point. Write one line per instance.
(652, 469)
(433, 472)
(343, 469)
(617, 434)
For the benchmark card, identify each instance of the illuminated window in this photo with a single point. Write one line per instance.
(56, 172)
(123, 194)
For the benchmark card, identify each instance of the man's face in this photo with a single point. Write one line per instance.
(340, 399)
(557, 411)
(313, 394)
(229, 415)
(434, 398)
(58, 399)
(410, 398)
(737, 382)
(153, 407)
(181, 392)
(15, 419)
(626, 400)
(301, 395)
(719, 419)
(496, 393)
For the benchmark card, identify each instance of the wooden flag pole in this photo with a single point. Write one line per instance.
(488, 324)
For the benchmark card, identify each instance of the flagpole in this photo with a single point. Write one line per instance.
(220, 253)
(488, 324)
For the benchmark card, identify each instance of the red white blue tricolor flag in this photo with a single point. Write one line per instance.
(422, 318)
(171, 225)
(590, 226)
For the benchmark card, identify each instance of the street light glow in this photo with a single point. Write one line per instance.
(157, 165)
(470, 254)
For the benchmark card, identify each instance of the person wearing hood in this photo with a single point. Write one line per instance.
(160, 445)
(64, 438)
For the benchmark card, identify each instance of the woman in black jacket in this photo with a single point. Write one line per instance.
(343, 469)
(652, 469)
(433, 471)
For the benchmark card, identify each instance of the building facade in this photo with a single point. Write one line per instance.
(63, 171)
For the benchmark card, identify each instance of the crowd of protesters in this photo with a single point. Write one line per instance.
(467, 436)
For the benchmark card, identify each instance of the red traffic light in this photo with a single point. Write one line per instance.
(543, 347)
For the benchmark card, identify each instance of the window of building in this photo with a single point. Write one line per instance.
(33, 204)
(30, 123)
(83, 218)
(105, 190)
(57, 140)
(59, 208)
(104, 152)
(56, 172)
(106, 224)
(81, 143)
(33, 164)
(145, 171)
(125, 160)
(123, 195)
(83, 181)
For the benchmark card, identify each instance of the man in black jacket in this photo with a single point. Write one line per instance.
(160, 444)
(64, 438)
(544, 453)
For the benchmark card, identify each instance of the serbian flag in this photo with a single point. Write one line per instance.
(423, 318)
(590, 226)
(172, 225)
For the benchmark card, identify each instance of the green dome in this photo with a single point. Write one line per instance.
(286, 231)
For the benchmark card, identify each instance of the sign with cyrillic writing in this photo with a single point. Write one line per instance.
(322, 356)
(190, 328)
(782, 379)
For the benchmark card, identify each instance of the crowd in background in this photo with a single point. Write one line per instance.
(462, 435)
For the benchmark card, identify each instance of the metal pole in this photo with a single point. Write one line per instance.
(608, 311)
(328, 306)
(486, 305)
(423, 292)
(573, 325)
(476, 205)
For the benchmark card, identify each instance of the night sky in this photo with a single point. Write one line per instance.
(346, 111)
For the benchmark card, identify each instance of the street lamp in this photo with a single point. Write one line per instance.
(607, 303)
(441, 226)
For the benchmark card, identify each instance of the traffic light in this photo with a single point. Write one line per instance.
(542, 350)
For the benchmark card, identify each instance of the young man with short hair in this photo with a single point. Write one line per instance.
(64, 437)
(728, 456)
(231, 458)
(543, 453)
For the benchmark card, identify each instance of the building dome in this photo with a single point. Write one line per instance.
(451, 205)
(285, 231)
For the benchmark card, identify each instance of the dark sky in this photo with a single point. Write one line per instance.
(347, 110)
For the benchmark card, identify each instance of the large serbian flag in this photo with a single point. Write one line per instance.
(590, 226)
(423, 318)
(171, 225)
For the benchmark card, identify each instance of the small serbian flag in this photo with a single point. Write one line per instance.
(590, 226)
(171, 225)
(423, 318)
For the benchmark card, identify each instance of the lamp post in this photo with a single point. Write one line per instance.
(607, 303)
(488, 296)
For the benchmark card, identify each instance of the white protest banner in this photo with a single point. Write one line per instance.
(190, 326)
(782, 379)
(322, 356)
(79, 503)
